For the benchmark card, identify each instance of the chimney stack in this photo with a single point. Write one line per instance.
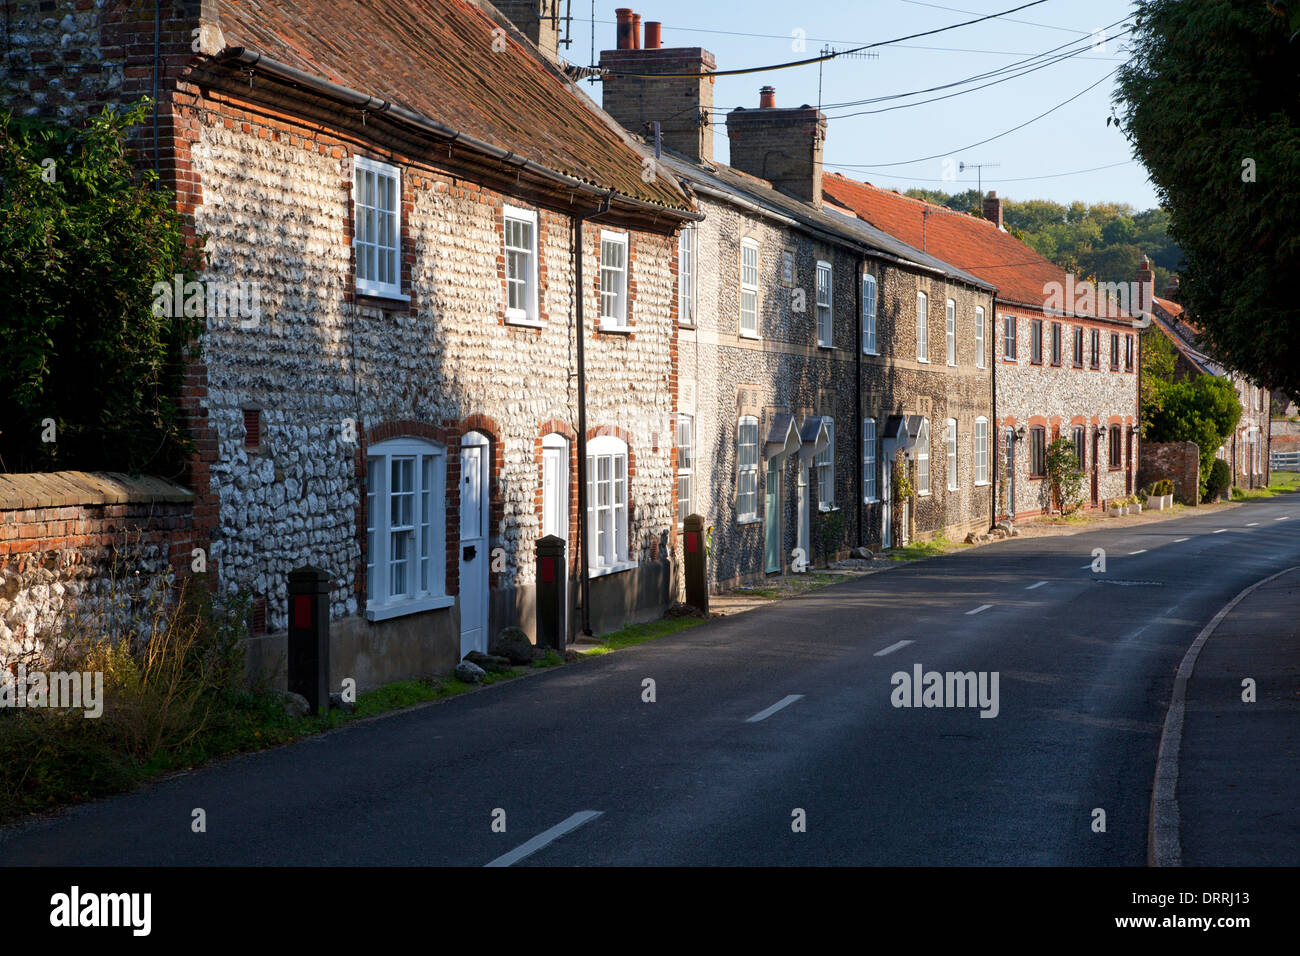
(783, 146)
(993, 208)
(1146, 285)
(683, 106)
(536, 19)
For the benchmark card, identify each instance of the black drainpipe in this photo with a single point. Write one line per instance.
(584, 575)
(994, 437)
(857, 399)
(157, 68)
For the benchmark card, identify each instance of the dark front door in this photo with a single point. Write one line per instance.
(1128, 464)
(1096, 446)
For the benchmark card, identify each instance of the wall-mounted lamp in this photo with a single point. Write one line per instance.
(1020, 432)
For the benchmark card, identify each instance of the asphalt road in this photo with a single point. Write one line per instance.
(1085, 663)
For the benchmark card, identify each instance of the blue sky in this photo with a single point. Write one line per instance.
(1073, 137)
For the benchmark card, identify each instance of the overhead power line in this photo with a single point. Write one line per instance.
(992, 182)
(829, 56)
(949, 152)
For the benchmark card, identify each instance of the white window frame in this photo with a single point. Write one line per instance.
(746, 470)
(950, 330)
(922, 327)
(787, 268)
(617, 319)
(685, 436)
(979, 336)
(950, 440)
(825, 283)
(607, 552)
(870, 346)
(687, 280)
(981, 451)
(528, 315)
(825, 464)
(1010, 338)
(748, 321)
(385, 221)
(923, 459)
(427, 530)
(870, 480)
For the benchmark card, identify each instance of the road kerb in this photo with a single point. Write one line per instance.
(1164, 845)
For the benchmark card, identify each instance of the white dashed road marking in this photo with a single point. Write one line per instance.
(1220, 531)
(764, 714)
(1252, 524)
(545, 837)
(1177, 540)
(1143, 551)
(1040, 584)
(891, 648)
(982, 607)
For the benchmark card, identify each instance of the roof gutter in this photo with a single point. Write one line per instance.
(290, 74)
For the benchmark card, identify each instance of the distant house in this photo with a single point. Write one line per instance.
(1247, 451)
(441, 228)
(1065, 355)
(800, 372)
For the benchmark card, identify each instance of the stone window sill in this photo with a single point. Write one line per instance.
(383, 612)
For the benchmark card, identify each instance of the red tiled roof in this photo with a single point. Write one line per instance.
(1173, 308)
(968, 242)
(435, 57)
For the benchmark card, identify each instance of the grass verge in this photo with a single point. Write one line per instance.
(640, 633)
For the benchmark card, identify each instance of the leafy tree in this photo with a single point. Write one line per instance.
(1158, 358)
(1204, 410)
(1210, 99)
(83, 238)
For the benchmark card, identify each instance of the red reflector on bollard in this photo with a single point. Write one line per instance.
(692, 542)
(548, 570)
(302, 610)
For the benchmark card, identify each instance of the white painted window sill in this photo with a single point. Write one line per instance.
(923, 361)
(522, 320)
(872, 352)
(923, 494)
(608, 326)
(824, 345)
(392, 295)
(611, 569)
(383, 612)
(871, 501)
(752, 519)
(748, 335)
(982, 484)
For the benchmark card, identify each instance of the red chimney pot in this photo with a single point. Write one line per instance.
(636, 31)
(767, 97)
(624, 28)
(652, 38)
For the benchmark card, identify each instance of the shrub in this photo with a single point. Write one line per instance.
(84, 236)
(1219, 479)
(1064, 476)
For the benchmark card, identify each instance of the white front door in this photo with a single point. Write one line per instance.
(474, 557)
(555, 503)
(887, 495)
(805, 518)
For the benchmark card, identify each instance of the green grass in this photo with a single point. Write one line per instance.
(635, 634)
(1284, 481)
(921, 549)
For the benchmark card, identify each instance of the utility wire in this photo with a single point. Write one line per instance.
(820, 59)
(990, 139)
(1020, 179)
(1032, 23)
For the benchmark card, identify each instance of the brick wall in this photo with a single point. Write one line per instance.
(1178, 462)
(60, 534)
